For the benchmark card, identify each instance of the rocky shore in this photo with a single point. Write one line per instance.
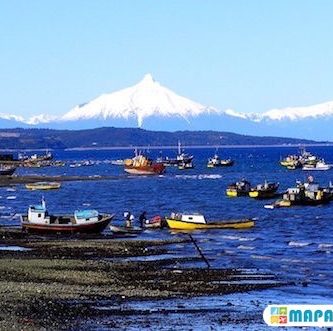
(54, 282)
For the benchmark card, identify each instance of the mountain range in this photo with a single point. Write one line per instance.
(129, 137)
(151, 106)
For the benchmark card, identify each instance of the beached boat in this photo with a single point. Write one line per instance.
(263, 191)
(43, 186)
(83, 221)
(125, 229)
(141, 165)
(7, 170)
(241, 188)
(179, 221)
(153, 223)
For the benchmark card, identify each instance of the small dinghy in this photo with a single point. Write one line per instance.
(125, 229)
(43, 186)
(154, 223)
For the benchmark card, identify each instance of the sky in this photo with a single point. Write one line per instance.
(250, 56)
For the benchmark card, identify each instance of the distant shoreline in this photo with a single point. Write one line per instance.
(197, 147)
(165, 147)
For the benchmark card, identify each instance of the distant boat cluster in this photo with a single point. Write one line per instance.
(304, 160)
(38, 219)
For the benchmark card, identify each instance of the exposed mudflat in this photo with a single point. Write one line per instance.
(60, 282)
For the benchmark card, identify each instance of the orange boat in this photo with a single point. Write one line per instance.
(141, 165)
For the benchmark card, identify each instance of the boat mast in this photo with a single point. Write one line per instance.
(179, 147)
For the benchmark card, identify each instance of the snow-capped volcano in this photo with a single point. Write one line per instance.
(151, 106)
(146, 99)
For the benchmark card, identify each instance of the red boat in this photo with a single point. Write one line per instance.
(141, 165)
(84, 221)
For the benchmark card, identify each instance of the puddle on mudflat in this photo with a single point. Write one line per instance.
(14, 248)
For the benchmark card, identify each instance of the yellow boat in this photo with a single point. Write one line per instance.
(278, 204)
(198, 222)
(241, 188)
(263, 191)
(232, 193)
(43, 186)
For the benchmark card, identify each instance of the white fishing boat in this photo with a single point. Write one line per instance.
(83, 221)
(117, 162)
(320, 165)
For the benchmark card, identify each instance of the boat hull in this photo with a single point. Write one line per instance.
(182, 225)
(156, 169)
(316, 168)
(92, 227)
(125, 230)
(263, 194)
(7, 172)
(234, 193)
(43, 186)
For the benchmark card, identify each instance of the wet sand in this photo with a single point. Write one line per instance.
(59, 281)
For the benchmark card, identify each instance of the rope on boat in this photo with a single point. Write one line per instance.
(200, 251)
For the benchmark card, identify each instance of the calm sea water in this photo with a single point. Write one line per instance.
(295, 244)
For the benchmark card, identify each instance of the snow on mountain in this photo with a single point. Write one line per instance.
(11, 117)
(146, 99)
(153, 107)
(40, 119)
(299, 113)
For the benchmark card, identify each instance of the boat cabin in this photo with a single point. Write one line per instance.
(190, 218)
(38, 214)
(83, 216)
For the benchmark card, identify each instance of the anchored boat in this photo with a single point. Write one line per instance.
(43, 186)
(215, 161)
(300, 160)
(306, 194)
(241, 188)
(178, 221)
(83, 221)
(227, 163)
(263, 191)
(185, 165)
(141, 165)
(180, 159)
(320, 165)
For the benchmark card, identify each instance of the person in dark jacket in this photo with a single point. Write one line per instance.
(143, 219)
